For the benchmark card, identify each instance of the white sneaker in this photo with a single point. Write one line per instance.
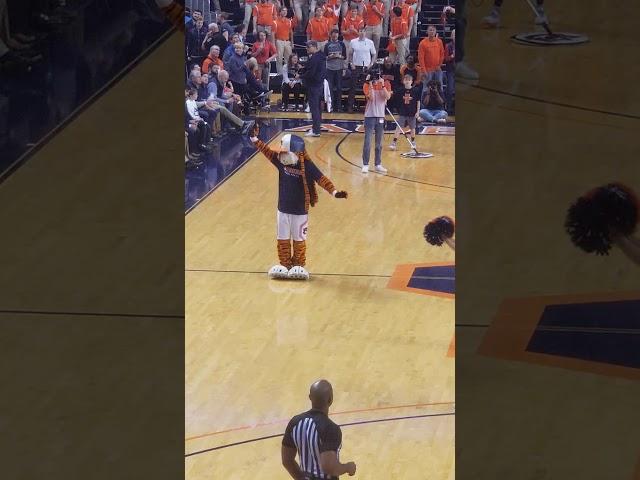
(541, 18)
(278, 271)
(380, 169)
(464, 71)
(311, 134)
(298, 273)
(441, 120)
(393, 146)
(493, 19)
(365, 169)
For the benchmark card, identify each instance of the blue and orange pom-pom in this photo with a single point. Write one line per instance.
(595, 218)
(438, 229)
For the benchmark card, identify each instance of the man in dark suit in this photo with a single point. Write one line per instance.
(313, 79)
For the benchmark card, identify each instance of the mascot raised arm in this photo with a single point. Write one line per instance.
(297, 180)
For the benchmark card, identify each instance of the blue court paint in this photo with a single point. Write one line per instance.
(435, 279)
(605, 332)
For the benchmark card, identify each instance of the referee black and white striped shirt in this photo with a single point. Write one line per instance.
(312, 433)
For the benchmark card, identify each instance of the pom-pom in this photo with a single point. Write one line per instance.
(438, 229)
(595, 218)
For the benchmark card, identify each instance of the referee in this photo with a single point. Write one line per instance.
(316, 439)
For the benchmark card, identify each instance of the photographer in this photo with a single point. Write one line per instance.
(313, 79)
(432, 100)
(378, 92)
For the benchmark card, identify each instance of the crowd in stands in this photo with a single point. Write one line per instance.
(236, 60)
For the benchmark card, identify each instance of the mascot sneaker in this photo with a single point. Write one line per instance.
(298, 273)
(278, 271)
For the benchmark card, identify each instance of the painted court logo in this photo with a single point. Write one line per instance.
(550, 39)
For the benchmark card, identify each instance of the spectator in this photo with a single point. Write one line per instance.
(350, 27)
(196, 15)
(386, 6)
(215, 37)
(254, 78)
(212, 59)
(318, 29)
(292, 83)
(399, 33)
(195, 38)
(391, 73)
(412, 69)
(373, 13)
(283, 32)
(431, 56)
(409, 13)
(264, 52)
(248, 11)
(264, 13)
(212, 29)
(231, 48)
(363, 54)
(359, 4)
(225, 93)
(409, 97)
(195, 80)
(434, 104)
(313, 78)
(301, 10)
(241, 30)
(450, 71)
(336, 53)
(363, 51)
(237, 69)
(203, 89)
(331, 12)
(225, 26)
(377, 92)
(195, 120)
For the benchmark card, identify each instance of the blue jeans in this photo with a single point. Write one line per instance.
(371, 124)
(432, 115)
(314, 95)
(334, 77)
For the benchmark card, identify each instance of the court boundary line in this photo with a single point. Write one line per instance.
(362, 422)
(410, 180)
(26, 156)
(233, 172)
(344, 412)
(210, 270)
(557, 104)
(89, 314)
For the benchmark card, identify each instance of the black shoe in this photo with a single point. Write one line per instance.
(247, 126)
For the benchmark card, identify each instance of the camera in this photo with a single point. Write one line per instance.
(374, 73)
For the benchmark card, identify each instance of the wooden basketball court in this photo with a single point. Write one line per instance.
(549, 127)
(254, 345)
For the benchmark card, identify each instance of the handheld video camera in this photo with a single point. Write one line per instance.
(374, 73)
